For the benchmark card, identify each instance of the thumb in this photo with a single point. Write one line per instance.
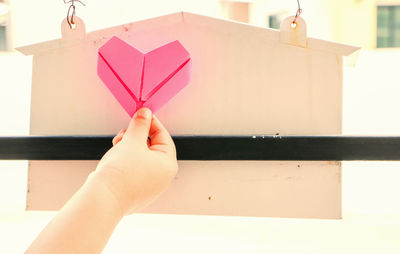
(139, 126)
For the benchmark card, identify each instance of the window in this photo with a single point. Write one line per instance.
(3, 38)
(3, 25)
(274, 20)
(388, 32)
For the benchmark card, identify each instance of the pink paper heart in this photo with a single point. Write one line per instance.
(139, 79)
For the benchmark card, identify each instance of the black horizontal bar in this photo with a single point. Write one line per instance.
(327, 148)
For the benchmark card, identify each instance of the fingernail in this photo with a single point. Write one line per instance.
(144, 113)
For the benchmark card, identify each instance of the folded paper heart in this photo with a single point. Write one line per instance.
(139, 79)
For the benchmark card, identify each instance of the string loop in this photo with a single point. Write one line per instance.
(298, 12)
(71, 11)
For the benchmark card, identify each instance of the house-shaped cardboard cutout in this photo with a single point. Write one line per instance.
(245, 80)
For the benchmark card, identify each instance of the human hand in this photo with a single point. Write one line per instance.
(140, 165)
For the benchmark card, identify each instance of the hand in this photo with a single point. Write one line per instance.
(140, 165)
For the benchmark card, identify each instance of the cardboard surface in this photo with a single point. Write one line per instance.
(230, 188)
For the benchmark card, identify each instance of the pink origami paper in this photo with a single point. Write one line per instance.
(139, 79)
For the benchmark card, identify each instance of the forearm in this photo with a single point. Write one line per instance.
(83, 225)
(140, 165)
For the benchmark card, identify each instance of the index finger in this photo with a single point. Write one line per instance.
(160, 139)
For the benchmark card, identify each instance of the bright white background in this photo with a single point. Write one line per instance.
(371, 204)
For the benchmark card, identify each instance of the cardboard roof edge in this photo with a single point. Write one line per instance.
(226, 26)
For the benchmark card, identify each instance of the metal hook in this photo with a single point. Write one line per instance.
(70, 16)
(298, 12)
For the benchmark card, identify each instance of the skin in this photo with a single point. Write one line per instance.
(135, 171)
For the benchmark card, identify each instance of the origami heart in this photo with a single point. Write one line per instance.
(139, 79)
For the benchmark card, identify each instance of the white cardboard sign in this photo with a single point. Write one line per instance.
(245, 80)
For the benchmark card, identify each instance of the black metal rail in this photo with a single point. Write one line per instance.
(327, 148)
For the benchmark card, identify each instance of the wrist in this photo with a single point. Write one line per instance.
(108, 200)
